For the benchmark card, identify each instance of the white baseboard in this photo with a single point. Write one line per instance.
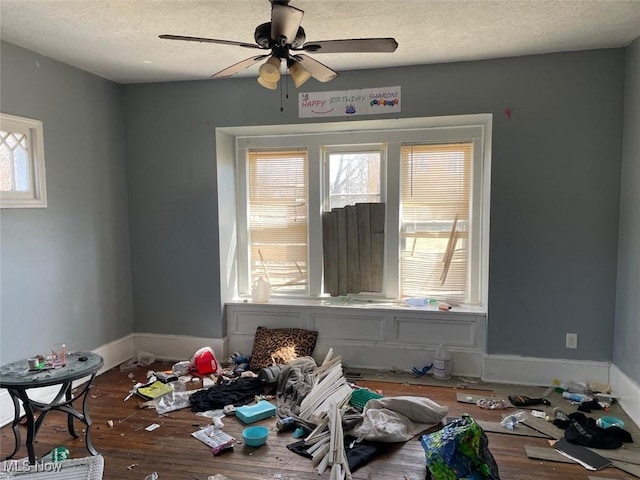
(541, 371)
(492, 368)
(6, 408)
(116, 352)
(177, 347)
(628, 393)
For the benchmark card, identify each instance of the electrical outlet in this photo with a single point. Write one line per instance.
(572, 340)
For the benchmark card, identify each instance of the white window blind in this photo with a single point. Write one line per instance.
(435, 220)
(278, 218)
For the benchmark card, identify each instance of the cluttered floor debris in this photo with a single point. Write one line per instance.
(202, 420)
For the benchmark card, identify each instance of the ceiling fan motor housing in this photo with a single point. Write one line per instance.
(262, 36)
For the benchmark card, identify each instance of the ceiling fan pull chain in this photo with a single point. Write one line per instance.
(287, 87)
(281, 101)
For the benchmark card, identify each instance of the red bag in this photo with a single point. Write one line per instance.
(204, 362)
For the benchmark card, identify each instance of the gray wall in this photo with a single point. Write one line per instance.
(555, 190)
(626, 354)
(65, 269)
(555, 199)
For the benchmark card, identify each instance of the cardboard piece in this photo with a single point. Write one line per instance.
(520, 430)
(627, 467)
(543, 426)
(550, 454)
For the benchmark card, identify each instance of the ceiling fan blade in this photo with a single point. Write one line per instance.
(210, 40)
(319, 71)
(285, 21)
(236, 67)
(373, 45)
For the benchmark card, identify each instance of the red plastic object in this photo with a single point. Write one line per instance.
(205, 362)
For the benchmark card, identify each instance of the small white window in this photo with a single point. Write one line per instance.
(22, 173)
(353, 175)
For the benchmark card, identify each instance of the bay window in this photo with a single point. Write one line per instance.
(430, 177)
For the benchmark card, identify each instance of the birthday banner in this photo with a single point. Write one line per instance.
(367, 101)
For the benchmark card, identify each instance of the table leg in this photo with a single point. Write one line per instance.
(31, 429)
(69, 398)
(87, 418)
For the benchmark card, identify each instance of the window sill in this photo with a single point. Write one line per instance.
(373, 335)
(357, 304)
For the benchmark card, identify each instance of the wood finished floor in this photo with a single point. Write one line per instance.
(131, 452)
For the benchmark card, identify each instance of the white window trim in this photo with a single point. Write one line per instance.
(393, 133)
(376, 148)
(37, 197)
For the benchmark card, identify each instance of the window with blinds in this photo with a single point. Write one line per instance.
(278, 219)
(435, 220)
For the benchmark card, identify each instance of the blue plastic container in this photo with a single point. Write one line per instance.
(253, 413)
(255, 436)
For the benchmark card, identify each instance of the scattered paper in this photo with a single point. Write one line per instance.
(152, 427)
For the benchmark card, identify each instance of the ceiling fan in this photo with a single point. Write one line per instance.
(284, 37)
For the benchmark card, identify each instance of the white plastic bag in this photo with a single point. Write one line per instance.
(172, 401)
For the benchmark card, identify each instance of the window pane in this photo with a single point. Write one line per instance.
(14, 162)
(353, 177)
(278, 223)
(436, 188)
(21, 163)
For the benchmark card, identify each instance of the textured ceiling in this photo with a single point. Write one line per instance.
(118, 39)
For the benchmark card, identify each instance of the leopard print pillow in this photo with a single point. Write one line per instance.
(280, 345)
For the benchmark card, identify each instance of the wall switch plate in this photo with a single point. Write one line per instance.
(572, 340)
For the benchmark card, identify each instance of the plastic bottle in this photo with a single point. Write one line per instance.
(260, 290)
(442, 363)
(417, 301)
(575, 397)
(510, 421)
(420, 301)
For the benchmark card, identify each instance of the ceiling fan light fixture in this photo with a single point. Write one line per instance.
(270, 70)
(267, 84)
(283, 35)
(298, 73)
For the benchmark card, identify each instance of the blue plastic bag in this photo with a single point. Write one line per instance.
(460, 450)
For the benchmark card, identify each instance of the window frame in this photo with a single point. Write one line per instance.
(320, 137)
(281, 290)
(451, 149)
(328, 150)
(36, 197)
